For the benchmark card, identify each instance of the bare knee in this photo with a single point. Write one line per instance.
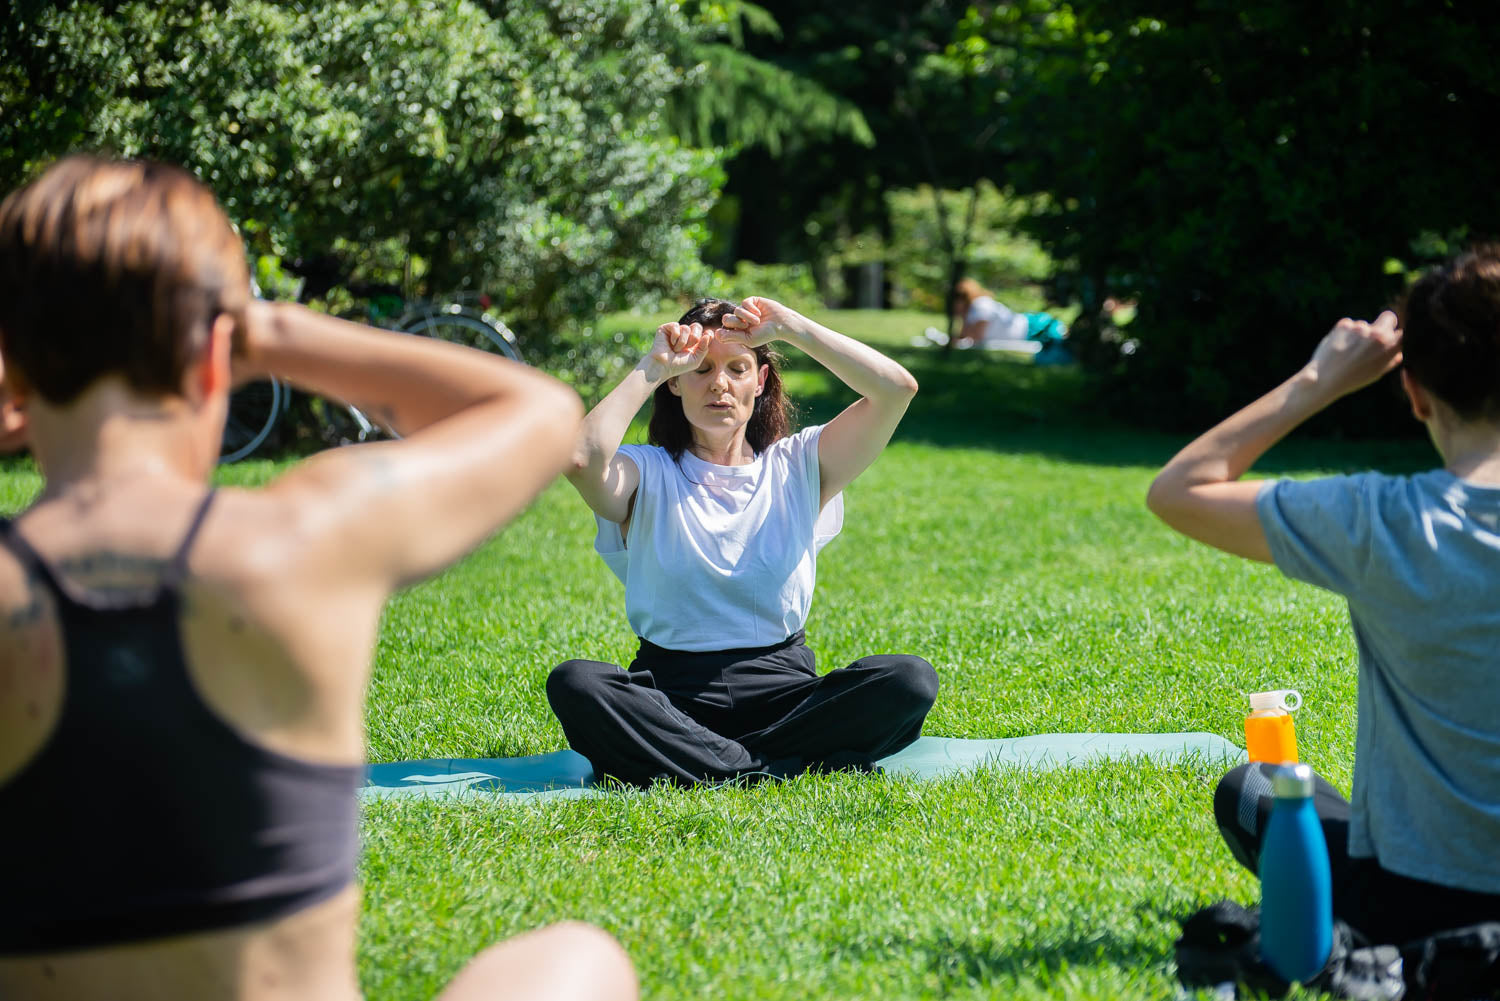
(569, 961)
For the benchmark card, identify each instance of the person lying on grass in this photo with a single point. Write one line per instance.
(714, 528)
(182, 670)
(1418, 559)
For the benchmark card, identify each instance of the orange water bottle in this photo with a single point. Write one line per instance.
(1269, 733)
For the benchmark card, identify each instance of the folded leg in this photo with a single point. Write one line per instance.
(631, 731)
(849, 717)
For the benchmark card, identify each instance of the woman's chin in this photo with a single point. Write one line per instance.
(718, 420)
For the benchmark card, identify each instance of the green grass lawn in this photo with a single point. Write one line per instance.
(1003, 537)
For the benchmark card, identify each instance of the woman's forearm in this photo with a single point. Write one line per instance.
(604, 427)
(859, 366)
(406, 382)
(1226, 451)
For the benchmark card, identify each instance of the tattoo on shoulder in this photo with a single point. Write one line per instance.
(30, 613)
(113, 573)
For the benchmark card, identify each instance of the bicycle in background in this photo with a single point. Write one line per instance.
(255, 408)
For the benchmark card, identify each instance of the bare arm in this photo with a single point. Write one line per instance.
(854, 438)
(604, 479)
(1199, 494)
(482, 437)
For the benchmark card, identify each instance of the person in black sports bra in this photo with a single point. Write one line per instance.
(182, 671)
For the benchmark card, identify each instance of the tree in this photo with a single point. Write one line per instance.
(517, 147)
(1249, 172)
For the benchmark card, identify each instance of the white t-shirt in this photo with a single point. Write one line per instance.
(1001, 323)
(722, 557)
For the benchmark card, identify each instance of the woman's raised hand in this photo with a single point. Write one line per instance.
(679, 347)
(758, 321)
(1355, 353)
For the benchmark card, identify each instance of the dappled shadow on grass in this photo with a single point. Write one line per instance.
(1003, 403)
(959, 961)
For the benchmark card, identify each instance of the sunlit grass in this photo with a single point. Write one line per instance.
(1003, 537)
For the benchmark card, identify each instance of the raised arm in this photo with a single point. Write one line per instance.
(1199, 494)
(606, 480)
(482, 436)
(853, 439)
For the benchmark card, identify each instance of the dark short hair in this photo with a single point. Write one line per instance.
(770, 421)
(114, 268)
(1450, 333)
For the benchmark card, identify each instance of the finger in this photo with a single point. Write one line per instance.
(1386, 321)
(732, 321)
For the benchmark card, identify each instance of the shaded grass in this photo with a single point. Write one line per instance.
(1003, 537)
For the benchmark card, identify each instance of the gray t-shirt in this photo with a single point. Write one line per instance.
(1418, 559)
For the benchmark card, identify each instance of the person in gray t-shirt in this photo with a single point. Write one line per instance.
(1417, 849)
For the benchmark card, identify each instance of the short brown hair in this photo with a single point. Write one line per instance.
(770, 421)
(1450, 333)
(110, 267)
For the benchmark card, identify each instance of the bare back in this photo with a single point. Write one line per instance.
(279, 658)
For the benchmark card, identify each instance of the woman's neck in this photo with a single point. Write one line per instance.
(729, 450)
(1470, 451)
(106, 438)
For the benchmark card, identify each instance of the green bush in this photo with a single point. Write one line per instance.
(1246, 172)
(513, 148)
(791, 284)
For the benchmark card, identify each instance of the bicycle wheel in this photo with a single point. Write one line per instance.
(344, 424)
(454, 325)
(253, 409)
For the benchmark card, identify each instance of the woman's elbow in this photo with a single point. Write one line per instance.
(903, 384)
(557, 413)
(1164, 497)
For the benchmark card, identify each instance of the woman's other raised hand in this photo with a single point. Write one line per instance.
(678, 349)
(758, 321)
(1356, 353)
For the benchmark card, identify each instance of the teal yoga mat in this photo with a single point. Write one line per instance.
(567, 775)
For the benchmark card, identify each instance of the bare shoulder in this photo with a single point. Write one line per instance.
(29, 663)
(288, 639)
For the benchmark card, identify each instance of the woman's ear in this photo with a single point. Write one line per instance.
(760, 387)
(1421, 400)
(209, 373)
(672, 385)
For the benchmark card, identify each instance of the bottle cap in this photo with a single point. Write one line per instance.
(1282, 698)
(1292, 782)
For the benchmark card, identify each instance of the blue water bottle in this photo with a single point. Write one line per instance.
(1296, 893)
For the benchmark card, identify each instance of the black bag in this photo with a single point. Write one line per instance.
(1220, 944)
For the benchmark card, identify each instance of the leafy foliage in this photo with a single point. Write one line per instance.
(736, 99)
(518, 147)
(1247, 172)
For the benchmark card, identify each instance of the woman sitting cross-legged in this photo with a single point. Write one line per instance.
(715, 528)
(1418, 560)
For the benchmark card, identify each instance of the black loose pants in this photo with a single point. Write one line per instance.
(688, 717)
(1385, 907)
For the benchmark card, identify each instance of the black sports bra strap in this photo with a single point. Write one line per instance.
(28, 557)
(177, 568)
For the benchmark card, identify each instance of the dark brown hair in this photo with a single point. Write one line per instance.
(1450, 333)
(770, 421)
(112, 268)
